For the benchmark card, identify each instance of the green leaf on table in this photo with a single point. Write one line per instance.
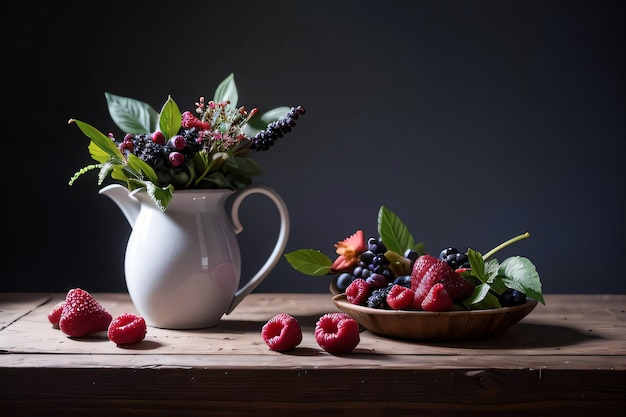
(310, 262)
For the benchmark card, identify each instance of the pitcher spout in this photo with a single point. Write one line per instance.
(120, 195)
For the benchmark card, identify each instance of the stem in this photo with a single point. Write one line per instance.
(505, 244)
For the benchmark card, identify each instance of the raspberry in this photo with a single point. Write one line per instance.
(55, 314)
(282, 333)
(437, 299)
(126, 329)
(337, 333)
(82, 314)
(358, 291)
(400, 297)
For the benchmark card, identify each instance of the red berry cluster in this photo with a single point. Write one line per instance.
(80, 315)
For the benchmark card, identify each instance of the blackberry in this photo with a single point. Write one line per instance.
(378, 297)
(264, 139)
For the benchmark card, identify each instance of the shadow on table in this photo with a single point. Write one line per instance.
(524, 336)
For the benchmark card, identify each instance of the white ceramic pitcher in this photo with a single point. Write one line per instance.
(183, 266)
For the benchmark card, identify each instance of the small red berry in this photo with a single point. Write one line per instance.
(337, 333)
(358, 291)
(282, 333)
(400, 297)
(178, 142)
(176, 159)
(158, 138)
(127, 328)
(55, 314)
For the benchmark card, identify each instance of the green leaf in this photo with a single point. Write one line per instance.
(260, 122)
(132, 116)
(227, 91)
(520, 274)
(100, 140)
(242, 164)
(140, 166)
(170, 118)
(394, 233)
(480, 292)
(420, 248)
(497, 285)
(160, 196)
(477, 264)
(491, 267)
(106, 169)
(309, 262)
(98, 153)
(482, 299)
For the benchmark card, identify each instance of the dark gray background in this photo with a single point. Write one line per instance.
(473, 121)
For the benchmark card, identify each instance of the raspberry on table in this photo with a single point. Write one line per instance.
(54, 316)
(282, 333)
(126, 329)
(83, 315)
(337, 333)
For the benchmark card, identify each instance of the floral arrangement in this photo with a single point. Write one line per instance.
(170, 150)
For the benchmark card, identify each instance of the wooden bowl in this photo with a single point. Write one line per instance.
(426, 325)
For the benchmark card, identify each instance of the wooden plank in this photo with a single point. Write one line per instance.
(332, 392)
(557, 329)
(565, 358)
(13, 306)
(309, 358)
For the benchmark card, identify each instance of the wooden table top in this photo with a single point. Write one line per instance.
(567, 356)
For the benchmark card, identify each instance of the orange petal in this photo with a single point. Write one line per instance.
(351, 246)
(343, 264)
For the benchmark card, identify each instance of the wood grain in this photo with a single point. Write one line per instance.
(565, 358)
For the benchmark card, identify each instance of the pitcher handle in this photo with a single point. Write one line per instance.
(281, 242)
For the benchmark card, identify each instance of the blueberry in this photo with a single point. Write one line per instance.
(411, 254)
(511, 297)
(344, 280)
(404, 280)
(446, 252)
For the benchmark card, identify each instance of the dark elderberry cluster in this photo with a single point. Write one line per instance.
(263, 140)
